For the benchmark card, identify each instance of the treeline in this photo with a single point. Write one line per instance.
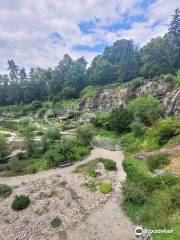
(121, 62)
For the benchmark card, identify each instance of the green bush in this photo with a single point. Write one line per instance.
(135, 83)
(158, 161)
(134, 192)
(92, 186)
(56, 222)
(5, 190)
(53, 134)
(146, 109)
(120, 120)
(65, 151)
(138, 129)
(177, 79)
(108, 164)
(4, 151)
(105, 187)
(84, 135)
(101, 120)
(20, 202)
(175, 195)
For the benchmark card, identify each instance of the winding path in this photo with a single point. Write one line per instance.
(108, 222)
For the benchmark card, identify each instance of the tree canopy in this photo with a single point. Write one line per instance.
(121, 62)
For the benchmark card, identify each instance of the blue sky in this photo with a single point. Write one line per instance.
(39, 33)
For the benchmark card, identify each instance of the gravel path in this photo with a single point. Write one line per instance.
(105, 223)
(109, 221)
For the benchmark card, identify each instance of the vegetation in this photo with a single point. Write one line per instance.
(92, 186)
(158, 161)
(105, 187)
(121, 62)
(4, 151)
(109, 164)
(20, 202)
(146, 109)
(5, 190)
(120, 120)
(84, 135)
(56, 222)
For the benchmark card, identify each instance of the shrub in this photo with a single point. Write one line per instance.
(108, 164)
(84, 135)
(177, 79)
(138, 129)
(5, 190)
(101, 120)
(105, 187)
(146, 109)
(55, 222)
(4, 151)
(158, 161)
(135, 83)
(92, 186)
(120, 120)
(175, 195)
(20, 202)
(53, 134)
(16, 166)
(134, 192)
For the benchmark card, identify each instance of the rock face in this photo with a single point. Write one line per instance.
(104, 100)
(109, 98)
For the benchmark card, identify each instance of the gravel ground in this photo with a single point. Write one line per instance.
(59, 192)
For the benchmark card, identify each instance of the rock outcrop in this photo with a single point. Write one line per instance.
(109, 98)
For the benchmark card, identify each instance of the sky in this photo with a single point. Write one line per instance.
(39, 32)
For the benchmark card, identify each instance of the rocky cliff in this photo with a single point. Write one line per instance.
(108, 98)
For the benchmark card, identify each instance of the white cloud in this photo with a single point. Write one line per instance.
(27, 24)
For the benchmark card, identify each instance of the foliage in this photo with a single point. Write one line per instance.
(134, 192)
(92, 186)
(4, 151)
(177, 79)
(88, 168)
(158, 161)
(138, 129)
(84, 135)
(5, 190)
(64, 151)
(109, 164)
(120, 120)
(101, 120)
(56, 222)
(135, 83)
(146, 109)
(105, 187)
(20, 202)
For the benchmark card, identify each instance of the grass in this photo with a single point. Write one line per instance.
(159, 210)
(107, 134)
(90, 167)
(5, 190)
(92, 186)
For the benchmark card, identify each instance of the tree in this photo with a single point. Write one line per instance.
(100, 72)
(174, 35)
(120, 120)
(13, 69)
(154, 58)
(125, 59)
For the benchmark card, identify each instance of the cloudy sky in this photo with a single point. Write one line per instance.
(40, 32)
